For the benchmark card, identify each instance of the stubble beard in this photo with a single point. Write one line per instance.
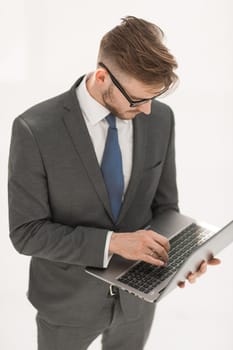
(107, 96)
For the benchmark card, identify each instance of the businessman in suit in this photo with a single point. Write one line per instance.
(88, 171)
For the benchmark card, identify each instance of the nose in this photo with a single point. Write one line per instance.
(145, 107)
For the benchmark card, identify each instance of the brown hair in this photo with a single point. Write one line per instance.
(135, 47)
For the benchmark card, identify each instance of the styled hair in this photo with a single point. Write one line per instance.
(135, 47)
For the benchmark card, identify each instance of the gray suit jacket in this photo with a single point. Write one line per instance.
(59, 212)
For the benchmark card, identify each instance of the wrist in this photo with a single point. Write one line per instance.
(113, 243)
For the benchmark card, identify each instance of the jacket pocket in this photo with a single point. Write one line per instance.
(154, 166)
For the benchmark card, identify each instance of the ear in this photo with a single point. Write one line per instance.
(101, 76)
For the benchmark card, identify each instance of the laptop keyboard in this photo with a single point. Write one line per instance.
(145, 277)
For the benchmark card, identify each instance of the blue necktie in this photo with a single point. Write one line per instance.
(112, 167)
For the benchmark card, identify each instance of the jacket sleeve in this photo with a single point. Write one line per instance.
(32, 229)
(166, 197)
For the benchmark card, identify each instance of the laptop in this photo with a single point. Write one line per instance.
(191, 242)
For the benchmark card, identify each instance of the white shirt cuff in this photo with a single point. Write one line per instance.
(107, 256)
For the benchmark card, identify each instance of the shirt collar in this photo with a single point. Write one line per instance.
(92, 110)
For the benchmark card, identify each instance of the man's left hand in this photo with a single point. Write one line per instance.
(200, 271)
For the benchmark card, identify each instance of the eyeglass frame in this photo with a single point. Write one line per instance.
(133, 103)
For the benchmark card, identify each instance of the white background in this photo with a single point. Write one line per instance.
(45, 46)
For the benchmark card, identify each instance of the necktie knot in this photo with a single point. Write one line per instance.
(111, 119)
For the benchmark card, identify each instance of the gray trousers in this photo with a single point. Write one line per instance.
(118, 332)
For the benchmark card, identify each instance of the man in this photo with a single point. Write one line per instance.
(88, 171)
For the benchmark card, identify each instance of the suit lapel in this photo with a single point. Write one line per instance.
(139, 146)
(83, 145)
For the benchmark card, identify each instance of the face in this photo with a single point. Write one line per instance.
(116, 102)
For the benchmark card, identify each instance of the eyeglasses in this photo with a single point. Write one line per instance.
(133, 103)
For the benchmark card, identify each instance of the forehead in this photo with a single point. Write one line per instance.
(138, 89)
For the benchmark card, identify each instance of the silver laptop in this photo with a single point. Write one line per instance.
(191, 242)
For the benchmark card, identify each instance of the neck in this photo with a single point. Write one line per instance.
(91, 88)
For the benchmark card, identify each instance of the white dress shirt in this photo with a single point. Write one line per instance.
(94, 115)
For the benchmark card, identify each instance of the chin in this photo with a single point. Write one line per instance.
(128, 115)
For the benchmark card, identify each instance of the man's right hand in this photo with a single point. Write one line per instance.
(145, 245)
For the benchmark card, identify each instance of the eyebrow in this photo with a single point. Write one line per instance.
(134, 97)
(139, 98)
(145, 98)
